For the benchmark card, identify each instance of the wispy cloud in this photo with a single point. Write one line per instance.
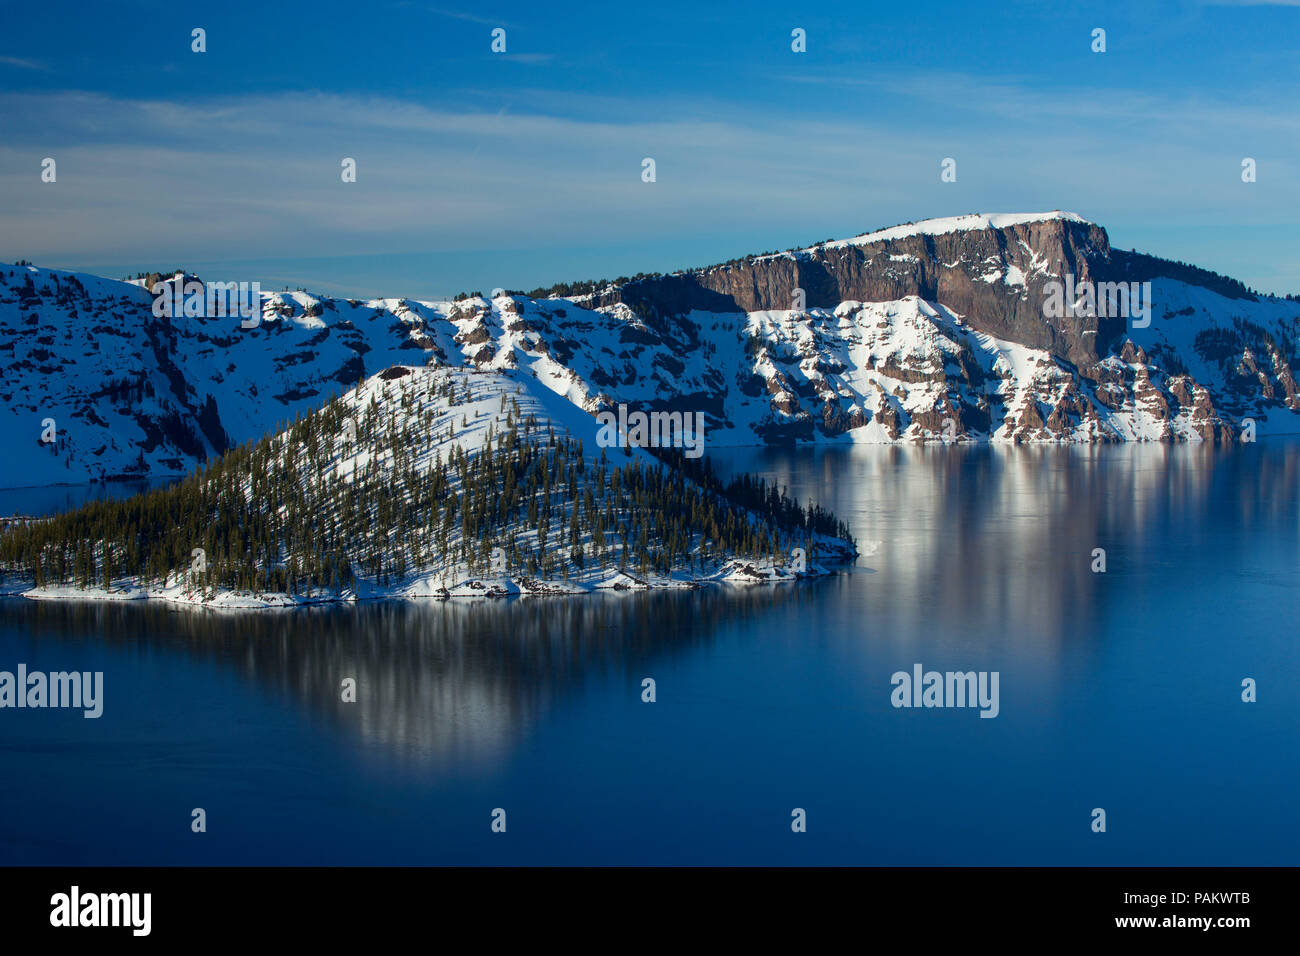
(259, 175)
(451, 14)
(23, 64)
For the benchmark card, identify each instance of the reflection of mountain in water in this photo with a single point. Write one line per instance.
(437, 682)
(976, 538)
(990, 547)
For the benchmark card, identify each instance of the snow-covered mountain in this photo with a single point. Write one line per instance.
(425, 482)
(938, 330)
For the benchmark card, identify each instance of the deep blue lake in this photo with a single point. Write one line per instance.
(1118, 690)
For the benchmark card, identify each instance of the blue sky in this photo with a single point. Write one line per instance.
(477, 169)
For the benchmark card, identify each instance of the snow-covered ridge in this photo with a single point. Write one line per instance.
(891, 344)
(943, 226)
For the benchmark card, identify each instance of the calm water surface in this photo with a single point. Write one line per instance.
(1119, 690)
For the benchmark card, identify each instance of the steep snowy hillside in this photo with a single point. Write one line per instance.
(939, 330)
(425, 482)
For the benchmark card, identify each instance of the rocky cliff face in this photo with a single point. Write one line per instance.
(991, 360)
(931, 331)
(993, 276)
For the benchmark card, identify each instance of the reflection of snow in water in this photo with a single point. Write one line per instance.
(460, 683)
(999, 539)
(445, 683)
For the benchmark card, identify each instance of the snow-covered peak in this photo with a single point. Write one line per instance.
(974, 222)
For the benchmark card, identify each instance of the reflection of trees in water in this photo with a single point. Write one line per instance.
(998, 537)
(436, 681)
(974, 540)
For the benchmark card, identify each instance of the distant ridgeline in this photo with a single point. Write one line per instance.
(416, 482)
(1003, 328)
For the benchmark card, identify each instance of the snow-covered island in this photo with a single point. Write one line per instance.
(425, 482)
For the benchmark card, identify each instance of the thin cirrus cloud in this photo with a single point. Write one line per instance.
(23, 63)
(258, 175)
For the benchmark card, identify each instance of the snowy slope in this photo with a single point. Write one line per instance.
(943, 226)
(398, 442)
(966, 354)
